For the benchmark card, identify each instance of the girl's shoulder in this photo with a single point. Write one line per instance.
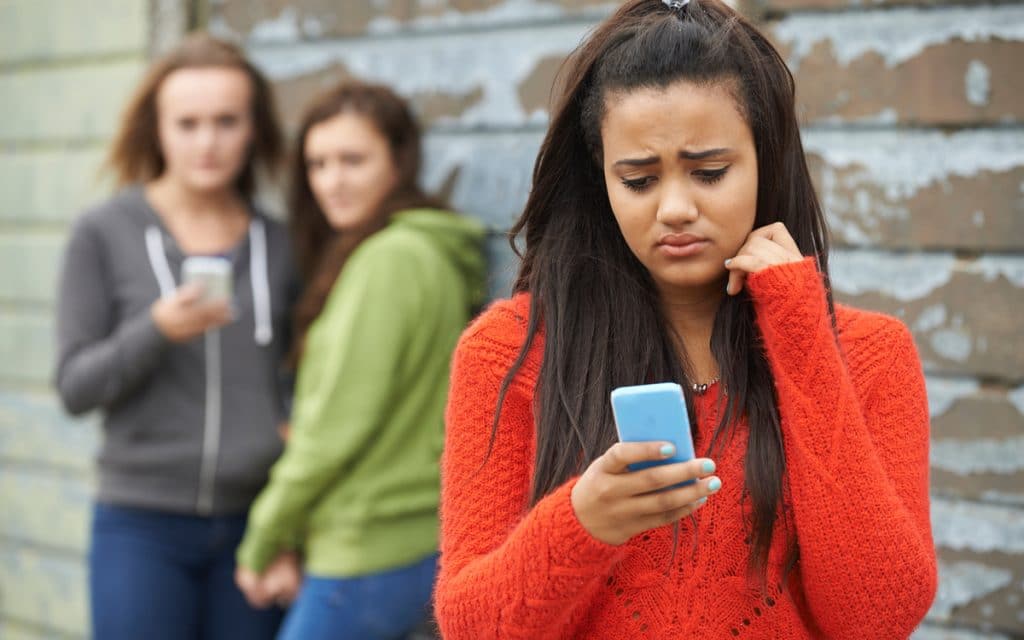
(870, 340)
(499, 333)
(504, 320)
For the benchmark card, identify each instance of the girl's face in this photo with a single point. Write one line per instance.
(681, 174)
(350, 169)
(205, 124)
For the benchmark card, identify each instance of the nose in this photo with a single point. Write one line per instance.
(677, 205)
(327, 179)
(207, 137)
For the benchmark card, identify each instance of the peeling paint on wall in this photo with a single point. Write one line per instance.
(991, 267)
(497, 197)
(944, 392)
(899, 276)
(904, 162)
(976, 83)
(1002, 497)
(929, 632)
(509, 12)
(979, 455)
(1016, 398)
(961, 583)
(896, 35)
(288, 26)
(976, 527)
(953, 344)
(454, 63)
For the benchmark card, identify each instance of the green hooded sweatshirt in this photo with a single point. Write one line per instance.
(357, 486)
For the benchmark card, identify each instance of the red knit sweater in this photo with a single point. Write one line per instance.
(855, 429)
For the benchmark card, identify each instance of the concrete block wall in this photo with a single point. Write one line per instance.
(912, 114)
(65, 69)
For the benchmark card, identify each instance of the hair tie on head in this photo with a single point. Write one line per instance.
(676, 5)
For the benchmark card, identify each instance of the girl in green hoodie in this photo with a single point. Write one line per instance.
(391, 281)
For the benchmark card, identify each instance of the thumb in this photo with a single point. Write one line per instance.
(190, 293)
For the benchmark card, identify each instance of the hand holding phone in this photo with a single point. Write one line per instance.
(644, 481)
(201, 303)
(212, 273)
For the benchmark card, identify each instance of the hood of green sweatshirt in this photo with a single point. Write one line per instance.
(462, 239)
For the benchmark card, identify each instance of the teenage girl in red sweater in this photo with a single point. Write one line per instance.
(672, 233)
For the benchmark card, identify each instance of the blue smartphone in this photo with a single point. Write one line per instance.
(649, 412)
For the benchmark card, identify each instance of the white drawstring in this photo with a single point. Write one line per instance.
(158, 261)
(260, 282)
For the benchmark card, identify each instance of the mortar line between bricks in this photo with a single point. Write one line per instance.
(43, 630)
(69, 61)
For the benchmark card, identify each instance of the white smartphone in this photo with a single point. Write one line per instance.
(212, 272)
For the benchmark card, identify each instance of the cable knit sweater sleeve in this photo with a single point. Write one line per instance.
(857, 464)
(506, 571)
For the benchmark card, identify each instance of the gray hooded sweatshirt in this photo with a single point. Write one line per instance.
(187, 428)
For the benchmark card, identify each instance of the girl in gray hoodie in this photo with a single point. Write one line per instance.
(188, 381)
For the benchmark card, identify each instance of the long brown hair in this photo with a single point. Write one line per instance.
(582, 275)
(135, 154)
(321, 251)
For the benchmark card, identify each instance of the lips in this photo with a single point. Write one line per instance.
(681, 245)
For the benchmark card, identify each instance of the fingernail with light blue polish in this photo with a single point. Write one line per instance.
(714, 484)
(708, 466)
(667, 450)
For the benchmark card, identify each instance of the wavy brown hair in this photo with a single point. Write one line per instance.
(321, 251)
(135, 154)
(601, 313)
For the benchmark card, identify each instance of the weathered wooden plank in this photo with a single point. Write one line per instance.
(977, 449)
(59, 29)
(782, 6)
(963, 313)
(955, 65)
(451, 78)
(891, 189)
(921, 189)
(41, 588)
(929, 631)
(282, 21)
(981, 550)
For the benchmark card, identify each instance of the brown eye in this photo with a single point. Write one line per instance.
(710, 176)
(638, 184)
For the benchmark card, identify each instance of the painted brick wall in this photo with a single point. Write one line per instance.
(65, 68)
(912, 112)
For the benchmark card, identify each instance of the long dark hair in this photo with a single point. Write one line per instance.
(576, 261)
(135, 154)
(321, 251)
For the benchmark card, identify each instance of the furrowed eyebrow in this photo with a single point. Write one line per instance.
(684, 154)
(636, 162)
(702, 155)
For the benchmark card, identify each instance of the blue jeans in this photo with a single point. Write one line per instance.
(159, 575)
(379, 606)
